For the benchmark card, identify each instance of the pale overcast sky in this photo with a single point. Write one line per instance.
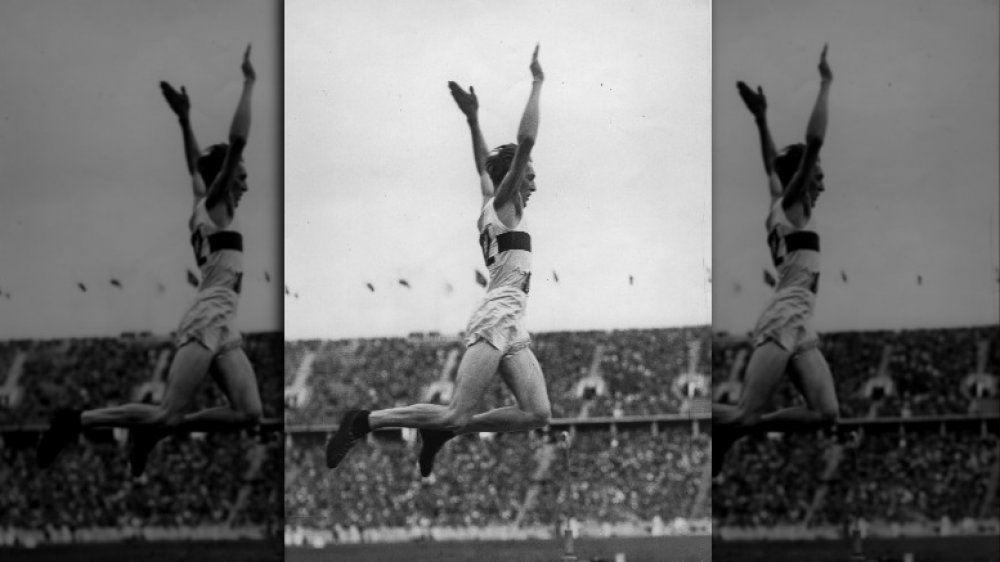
(381, 180)
(910, 156)
(94, 181)
(381, 184)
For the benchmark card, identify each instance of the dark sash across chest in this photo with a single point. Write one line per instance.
(794, 242)
(506, 241)
(224, 240)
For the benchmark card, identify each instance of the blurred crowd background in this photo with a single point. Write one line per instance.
(191, 480)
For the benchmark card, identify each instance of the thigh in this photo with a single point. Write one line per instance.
(523, 376)
(811, 375)
(187, 370)
(767, 366)
(235, 376)
(475, 372)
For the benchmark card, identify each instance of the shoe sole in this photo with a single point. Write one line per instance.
(337, 447)
(430, 468)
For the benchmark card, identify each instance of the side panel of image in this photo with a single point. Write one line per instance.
(856, 345)
(140, 301)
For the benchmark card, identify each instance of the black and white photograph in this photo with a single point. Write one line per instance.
(141, 284)
(855, 299)
(451, 280)
(498, 259)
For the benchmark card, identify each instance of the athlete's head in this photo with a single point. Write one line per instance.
(210, 164)
(498, 164)
(786, 164)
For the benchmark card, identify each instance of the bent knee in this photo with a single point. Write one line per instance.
(744, 418)
(167, 418)
(456, 420)
(252, 416)
(829, 415)
(541, 417)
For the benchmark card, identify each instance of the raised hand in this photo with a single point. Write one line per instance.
(466, 101)
(249, 75)
(824, 67)
(536, 68)
(178, 101)
(755, 101)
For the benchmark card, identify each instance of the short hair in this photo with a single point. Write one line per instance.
(210, 162)
(498, 162)
(787, 162)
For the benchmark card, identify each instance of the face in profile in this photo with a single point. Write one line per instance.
(239, 184)
(816, 185)
(527, 186)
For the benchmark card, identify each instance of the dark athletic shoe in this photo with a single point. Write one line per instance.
(64, 427)
(346, 437)
(432, 440)
(142, 442)
(722, 440)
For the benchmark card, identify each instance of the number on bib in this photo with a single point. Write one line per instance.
(486, 243)
(774, 244)
(198, 243)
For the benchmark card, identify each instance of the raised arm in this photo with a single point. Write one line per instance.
(757, 104)
(815, 133)
(526, 133)
(469, 104)
(181, 106)
(238, 132)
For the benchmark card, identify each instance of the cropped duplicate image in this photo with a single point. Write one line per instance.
(855, 302)
(497, 254)
(141, 285)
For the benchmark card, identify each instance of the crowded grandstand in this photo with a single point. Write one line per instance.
(916, 454)
(198, 486)
(626, 453)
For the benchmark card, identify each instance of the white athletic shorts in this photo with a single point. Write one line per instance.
(787, 321)
(210, 321)
(498, 322)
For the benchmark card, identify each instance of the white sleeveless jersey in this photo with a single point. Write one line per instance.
(219, 252)
(507, 251)
(794, 251)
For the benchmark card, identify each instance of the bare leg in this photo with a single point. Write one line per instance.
(811, 374)
(235, 376)
(126, 415)
(186, 372)
(523, 376)
(722, 411)
(790, 419)
(767, 365)
(477, 368)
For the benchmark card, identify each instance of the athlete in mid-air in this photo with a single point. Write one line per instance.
(783, 338)
(207, 339)
(495, 337)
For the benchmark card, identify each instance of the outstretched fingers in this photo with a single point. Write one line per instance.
(178, 101)
(466, 101)
(247, 67)
(824, 66)
(536, 67)
(755, 101)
